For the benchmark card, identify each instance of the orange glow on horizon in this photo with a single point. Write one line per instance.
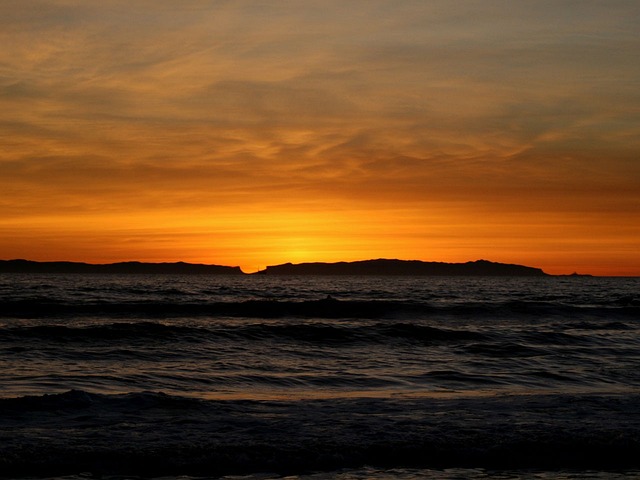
(259, 239)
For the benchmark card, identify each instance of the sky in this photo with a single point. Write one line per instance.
(252, 133)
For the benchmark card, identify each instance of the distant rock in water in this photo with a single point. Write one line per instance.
(178, 268)
(405, 267)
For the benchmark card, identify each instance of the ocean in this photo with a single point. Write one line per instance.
(312, 377)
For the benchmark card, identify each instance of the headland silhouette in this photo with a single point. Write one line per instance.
(404, 267)
(383, 267)
(177, 268)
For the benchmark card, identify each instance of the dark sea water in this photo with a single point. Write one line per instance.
(258, 377)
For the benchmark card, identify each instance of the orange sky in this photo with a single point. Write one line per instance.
(255, 133)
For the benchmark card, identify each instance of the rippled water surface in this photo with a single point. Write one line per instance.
(312, 376)
(213, 336)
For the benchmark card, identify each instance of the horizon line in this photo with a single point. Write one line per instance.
(259, 270)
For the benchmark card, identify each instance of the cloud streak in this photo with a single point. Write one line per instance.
(215, 110)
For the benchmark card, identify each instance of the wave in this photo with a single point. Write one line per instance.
(106, 332)
(477, 338)
(154, 434)
(319, 332)
(324, 308)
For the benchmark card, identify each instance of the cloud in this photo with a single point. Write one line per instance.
(231, 106)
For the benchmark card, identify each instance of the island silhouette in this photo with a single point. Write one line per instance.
(383, 267)
(177, 268)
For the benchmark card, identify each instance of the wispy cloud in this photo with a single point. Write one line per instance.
(220, 108)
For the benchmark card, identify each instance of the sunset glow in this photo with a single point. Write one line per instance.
(257, 133)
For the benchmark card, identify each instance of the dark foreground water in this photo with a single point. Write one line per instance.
(319, 377)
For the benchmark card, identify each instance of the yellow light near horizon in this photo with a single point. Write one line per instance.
(258, 236)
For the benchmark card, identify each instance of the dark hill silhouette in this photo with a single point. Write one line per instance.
(404, 267)
(27, 266)
(364, 267)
